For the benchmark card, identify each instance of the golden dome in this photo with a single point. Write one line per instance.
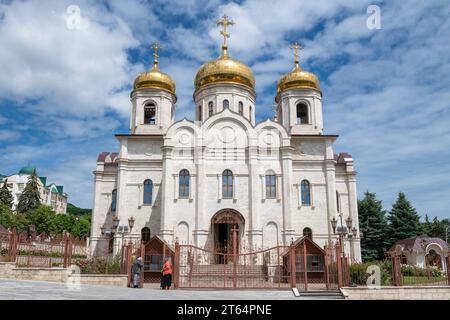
(297, 78)
(155, 78)
(224, 70)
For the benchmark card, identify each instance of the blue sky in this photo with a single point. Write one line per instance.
(64, 92)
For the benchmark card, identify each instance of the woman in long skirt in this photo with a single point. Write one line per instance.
(166, 280)
(136, 272)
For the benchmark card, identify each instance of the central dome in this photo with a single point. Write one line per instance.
(224, 70)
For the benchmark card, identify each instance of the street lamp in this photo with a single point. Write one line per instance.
(344, 231)
(131, 222)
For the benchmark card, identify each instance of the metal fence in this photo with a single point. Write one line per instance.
(41, 250)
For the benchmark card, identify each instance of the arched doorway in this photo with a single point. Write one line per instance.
(227, 226)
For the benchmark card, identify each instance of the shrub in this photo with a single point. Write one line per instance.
(99, 265)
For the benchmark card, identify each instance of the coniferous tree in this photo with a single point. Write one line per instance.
(372, 223)
(404, 222)
(438, 228)
(6, 197)
(426, 226)
(30, 198)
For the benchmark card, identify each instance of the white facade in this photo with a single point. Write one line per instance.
(50, 194)
(229, 139)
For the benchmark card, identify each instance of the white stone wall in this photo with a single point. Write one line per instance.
(228, 140)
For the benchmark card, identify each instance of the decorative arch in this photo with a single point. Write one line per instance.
(227, 184)
(184, 184)
(145, 234)
(271, 184)
(182, 232)
(114, 200)
(150, 108)
(307, 232)
(148, 192)
(228, 216)
(270, 234)
(302, 112)
(305, 192)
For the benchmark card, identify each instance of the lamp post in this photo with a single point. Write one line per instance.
(344, 232)
(123, 231)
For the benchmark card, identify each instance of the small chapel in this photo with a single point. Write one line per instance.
(197, 181)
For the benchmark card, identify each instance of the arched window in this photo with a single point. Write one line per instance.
(227, 184)
(306, 193)
(184, 184)
(250, 114)
(302, 113)
(307, 232)
(241, 108)
(210, 108)
(145, 234)
(226, 104)
(200, 113)
(114, 200)
(338, 202)
(148, 191)
(150, 113)
(271, 184)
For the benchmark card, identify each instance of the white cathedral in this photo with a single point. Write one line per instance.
(192, 181)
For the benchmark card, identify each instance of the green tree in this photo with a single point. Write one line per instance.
(372, 222)
(44, 219)
(6, 216)
(404, 222)
(10, 220)
(6, 197)
(426, 226)
(438, 228)
(82, 227)
(30, 198)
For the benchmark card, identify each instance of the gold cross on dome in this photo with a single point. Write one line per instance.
(296, 47)
(156, 46)
(225, 22)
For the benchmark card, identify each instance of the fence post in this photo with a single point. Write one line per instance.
(305, 265)
(339, 264)
(447, 262)
(176, 264)
(13, 242)
(66, 249)
(234, 257)
(142, 255)
(129, 261)
(292, 266)
(396, 270)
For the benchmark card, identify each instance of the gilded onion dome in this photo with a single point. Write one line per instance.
(297, 78)
(224, 69)
(155, 78)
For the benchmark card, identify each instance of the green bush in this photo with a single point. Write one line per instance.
(359, 275)
(99, 265)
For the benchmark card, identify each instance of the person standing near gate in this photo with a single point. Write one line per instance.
(166, 280)
(136, 272)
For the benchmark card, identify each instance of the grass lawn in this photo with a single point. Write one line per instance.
(423, 280)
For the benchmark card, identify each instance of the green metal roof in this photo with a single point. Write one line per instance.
(27, 170)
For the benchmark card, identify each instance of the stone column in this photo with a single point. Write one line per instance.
(288, 231)
(166, 232)
(254, 224)
(353, 209)
(201, 228)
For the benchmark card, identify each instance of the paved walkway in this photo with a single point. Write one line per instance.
(40, 290)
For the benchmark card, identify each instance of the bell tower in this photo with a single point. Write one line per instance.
(153, 100)
(299, 100)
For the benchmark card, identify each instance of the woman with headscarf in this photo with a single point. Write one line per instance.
(166, 280)
(136, 272)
